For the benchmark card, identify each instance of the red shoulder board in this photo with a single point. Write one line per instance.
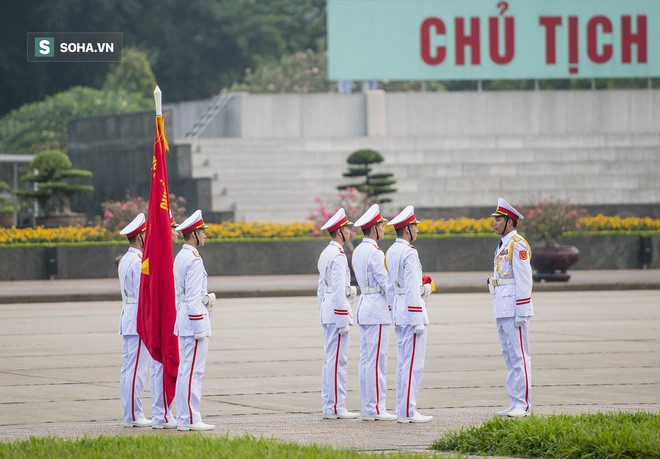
(341, 250)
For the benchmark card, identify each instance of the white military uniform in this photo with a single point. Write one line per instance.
(374, 317)
(193, 327)
(512, 298)
(335, 314)
(135, 356)
(409, 311)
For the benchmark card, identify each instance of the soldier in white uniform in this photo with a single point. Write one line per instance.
(193, 324)
(135, 357)
(511, 286)
(334, 296)
(373, 316)
(409, 296)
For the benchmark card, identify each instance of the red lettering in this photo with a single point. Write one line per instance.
(463, 40)
(550, 23)
(494, 39)
(628, 38)
(592, 39)
(425, 31)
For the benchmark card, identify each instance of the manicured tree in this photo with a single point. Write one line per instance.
(52, 191)
(372, 186)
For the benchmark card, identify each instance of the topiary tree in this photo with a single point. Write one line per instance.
(51, 168)
(372, 186)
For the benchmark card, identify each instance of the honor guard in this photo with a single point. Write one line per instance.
(373, 316)
(334, 296)
(409, 295)
(193, 324)
(135, 357)
(511, 287)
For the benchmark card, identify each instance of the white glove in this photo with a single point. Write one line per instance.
(419, 329)
(520, 321)
(351, 293)
(344, 330)
(209, 299)
(200, 336)
(425, 291)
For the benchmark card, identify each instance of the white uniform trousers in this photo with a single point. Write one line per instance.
(192, 362)
(133, 376)
(373, 368)
(161, 414)
(410, 352)
(517, 357)
(333, 374)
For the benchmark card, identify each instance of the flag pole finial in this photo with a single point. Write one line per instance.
(158, 99)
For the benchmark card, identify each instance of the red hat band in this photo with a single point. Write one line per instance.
(137, 231)
(405, 222)
(507, 212)
(377, 219)
(195, 226)
(338, 225)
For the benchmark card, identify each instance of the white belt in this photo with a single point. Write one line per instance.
(370, 290)
(400, 291)
(498, 282)
(327, 289)
(130, 300)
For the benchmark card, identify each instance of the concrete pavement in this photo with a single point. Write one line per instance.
(591, 350)
(305, 285)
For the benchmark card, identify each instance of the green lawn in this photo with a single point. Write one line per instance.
(610, 435)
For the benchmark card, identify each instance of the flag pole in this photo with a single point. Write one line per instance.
(158, 99)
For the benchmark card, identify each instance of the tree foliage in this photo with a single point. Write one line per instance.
(51, 169)
(372, 186)
(132, 74)
(43, 125)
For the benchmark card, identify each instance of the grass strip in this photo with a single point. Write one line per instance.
(187, 445)
(600, 435)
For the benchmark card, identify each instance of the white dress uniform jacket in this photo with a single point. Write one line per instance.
(405, 284)
(369, 266)
(129, 281)
(513, 272)
(190, 281)
(333, 286)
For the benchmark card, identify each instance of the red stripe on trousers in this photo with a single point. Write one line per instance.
(192, 367)
(337, 369)
(380, 329)
(412, 360)
(164, 397)
(525, 367)
(137, 360)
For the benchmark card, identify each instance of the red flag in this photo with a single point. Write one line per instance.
(156, 307)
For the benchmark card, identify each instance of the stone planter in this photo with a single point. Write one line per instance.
(551, 263)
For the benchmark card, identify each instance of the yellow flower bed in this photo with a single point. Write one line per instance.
(239, 230)
(62, 234)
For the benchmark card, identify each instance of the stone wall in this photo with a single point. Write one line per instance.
(266, 258)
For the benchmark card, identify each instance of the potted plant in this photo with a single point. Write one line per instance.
(544, 225)
(51, 170)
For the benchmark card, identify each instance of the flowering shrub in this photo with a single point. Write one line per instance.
(117, 214)
(239, 230)
(350, 199)
(604, 223)
(548, 220)
(460, 225)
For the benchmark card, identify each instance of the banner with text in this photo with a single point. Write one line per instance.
(491, 39)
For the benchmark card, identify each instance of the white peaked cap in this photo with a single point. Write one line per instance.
(336, 221)
(406, 217)
(370, 218)
(506, 209)
(135, 227)
(192, 223)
